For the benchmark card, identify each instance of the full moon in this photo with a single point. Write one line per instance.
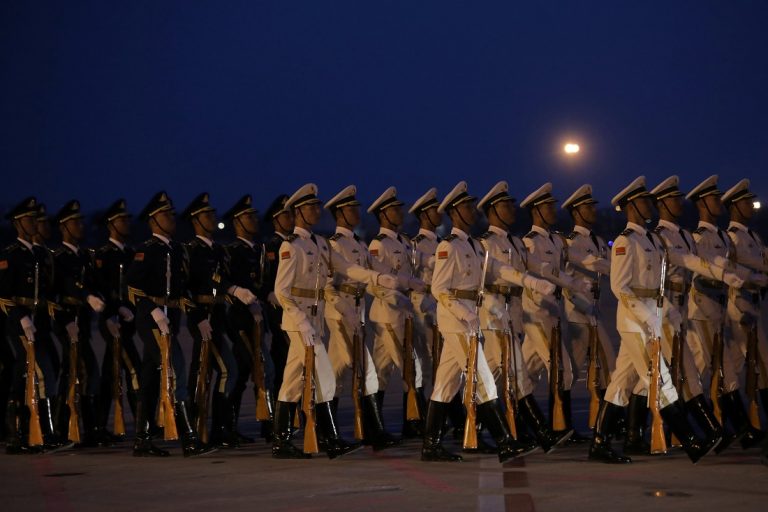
(571, 148)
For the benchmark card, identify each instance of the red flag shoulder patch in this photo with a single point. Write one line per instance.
(442, 255)
(374, 252)
(3, 264)
(271, 256)
(621, 251)
(285, 255)
(139, 256)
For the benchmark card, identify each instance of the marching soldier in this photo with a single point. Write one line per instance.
(501, 314)
(456, 283)
(745, 305)
(116, 322)
(683, 261)
(208, 286)
(157, 285)
(282, 221)
(23, 295)
(306, 265)
(345, 319)
(636, 268)
(545, 313)
(77, 296)
(246, 270)
(707, 335)
(391, 253)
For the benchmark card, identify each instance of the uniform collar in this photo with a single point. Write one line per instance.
(497, 230)
(165, 240)
(669, 224)
(248, 242)
(540, 230)
(345, 231)
(119, 245)
(712, 227)
(460, 234)
(284, 237)
(301, 232)
(428, 234)
(25, 243)
(71, 247)
(388, 232)
(738, 225)
(206, 241)
(637, 227)
(582, 230)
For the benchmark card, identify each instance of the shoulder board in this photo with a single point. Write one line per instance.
(335, 237)
(15, 246)
(627, 232)
(699, 230)
(380, 237)
(59, 251)
(418, 238)
(733, 229)
(659, 229)
(572, 235)
(292, 237)
(153, 240)
(450, 238)
(485, 236)
(531, 234)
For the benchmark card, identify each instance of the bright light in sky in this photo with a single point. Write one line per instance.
(756, 204)
(571, 148)
(221, 225)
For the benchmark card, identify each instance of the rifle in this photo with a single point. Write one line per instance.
(437, 349)
(358, 381)
(595, 367)
(167, 377)
(658, 441)
(409, 360)
(508, 359)
(308, 395)
(203, 381)
(470, 387)
(73, 388)
(264, 410)
(753, 372)
(556, 378)
(117, 382)
(35, 432)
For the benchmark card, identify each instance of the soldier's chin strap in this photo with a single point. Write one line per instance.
(164, 232)
(458, 212)
(498, 216)
(248, 231)
(646, 220)
(738, 209)
(302, 216)
(66, 228)
(208, 231)
(664, 204)
(277, 219)
(23, 230)
(346, 220)
(114, 226)
(706, 207)
(384, 213)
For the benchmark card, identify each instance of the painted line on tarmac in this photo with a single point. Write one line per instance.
(509, 477)
(420, 476)
(54, 494)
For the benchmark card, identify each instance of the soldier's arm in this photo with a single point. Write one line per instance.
(446, 263)
(287, 268)
(622, 271)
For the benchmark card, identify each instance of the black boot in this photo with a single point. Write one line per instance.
(411, 428)
(734, 411)
(575, 438)
(15, 442)
(375, 434)
(93, 433)
(534, 418)
(236, 402)
(457, 416)
(222, 421)
(695, 448)
(282, 448)
(509, 448)
(190, 442)
(380, 399)
(482, 445)
(702, 413)
(142, 446)
(61, 417)
(637, 417)
(432, 449)
(600, 449)
(335, 445)
(293, 411)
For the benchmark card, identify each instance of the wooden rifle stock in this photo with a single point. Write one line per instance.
(308, 402)
(117, 388)
(677, 372)
(167, 399)
(510, 387)
(358, 381)
(658, 441)
(35, 432)
(470, 395)
(202, 391)
(593, 375)
(752, 374)
(437, 349)
(264, 410)
(556, 379)
(73, 392)
(409, 372)
(716, 384)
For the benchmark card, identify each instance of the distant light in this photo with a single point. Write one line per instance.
(756, 205)
(221, 225)
(571, 148)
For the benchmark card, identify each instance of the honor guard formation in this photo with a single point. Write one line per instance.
(470, 324)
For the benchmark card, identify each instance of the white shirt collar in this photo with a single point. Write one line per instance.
(738, 225)
(119, 245)
(205, 240)
(166, 241)
(25, 243)
(428, 234)
(497, 230)
(541, 230)
(459, 233)
(345, 231)
(72, 248)
(637, 227)
(388, 232)
(708, 225)
(250, 244)
(582, 230)
(669, 224)
(303, 233)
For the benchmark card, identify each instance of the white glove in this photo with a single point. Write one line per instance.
(496, 311)
(73, 331)
(386, 281)
(541, 286)
(96, 303)
(255, 309)
(113, 326)
(126, 313)
(721, 262)
(583, 285)
(244, 295)
(272, 299)
(759, 279)
(206, 330)
(732, 280)
(674, 318)
(307, 333)
(162, 321)
(29, 328)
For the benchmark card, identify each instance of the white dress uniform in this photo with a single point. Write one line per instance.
(307, 264)
(391, 253)
(588, 259)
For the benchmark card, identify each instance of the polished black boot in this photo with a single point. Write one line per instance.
(190, 443)
(293, 412)
(600, 449)
(734, 411)
(534, 418)
(375, 433)
(221, 435)
(411, 428)
(575, 438)
(282, 448)
(508, 447)
(695, 448)
(15, 442)
(432, 450)
(637, 418)
(700, 410)
(335, 445)
(142, 446)
(236, 402)
(93, 433)
(457, 416)
(61, 417)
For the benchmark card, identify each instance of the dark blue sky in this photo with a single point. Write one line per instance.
(100, 100)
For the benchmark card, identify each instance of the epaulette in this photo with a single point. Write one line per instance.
(153, 240)
(531, 234)
(659, 228)
(572, 235)
(15, 246)
(380, 237)
(451, 237)
(195, 242)
(485, 236)
(292, 237)
(733, 229)
(335, 237)
(627, 232)
(699, 230)
(418, 238)
(59, 251)
(406, 238)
